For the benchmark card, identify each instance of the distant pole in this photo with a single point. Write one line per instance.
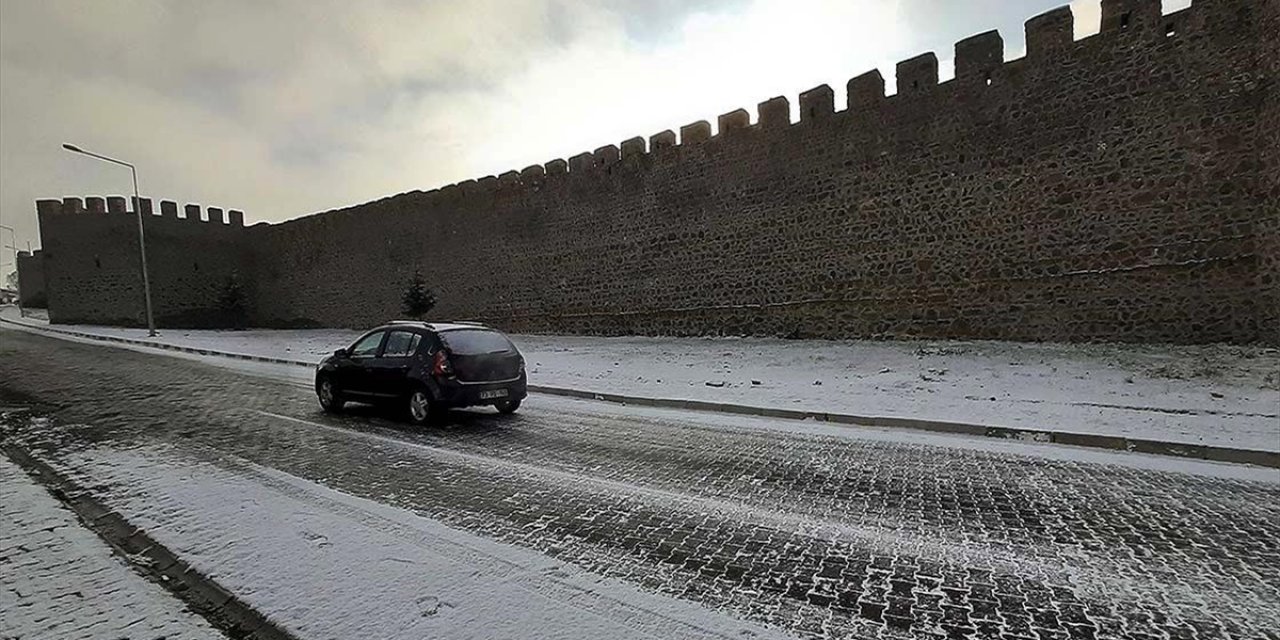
(14, 245)
(142, 237)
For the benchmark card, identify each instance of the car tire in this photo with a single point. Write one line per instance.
(507, 407)
(420, 408)
(331, 399)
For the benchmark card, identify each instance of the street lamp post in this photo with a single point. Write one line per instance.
(142, 238)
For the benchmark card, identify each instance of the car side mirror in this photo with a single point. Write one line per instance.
(341, 353)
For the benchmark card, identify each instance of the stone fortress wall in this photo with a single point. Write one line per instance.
(31, 291)
(1119, 187)
(92, 267)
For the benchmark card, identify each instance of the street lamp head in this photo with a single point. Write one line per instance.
(72, 147)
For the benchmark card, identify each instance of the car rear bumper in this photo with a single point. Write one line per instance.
(456, 394)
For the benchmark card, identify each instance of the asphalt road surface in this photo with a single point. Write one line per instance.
(818, 530)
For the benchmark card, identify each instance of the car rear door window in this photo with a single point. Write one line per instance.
(367, 347)
(472, 342)
(401, 344)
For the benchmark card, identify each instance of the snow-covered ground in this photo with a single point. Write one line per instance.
(1217, 395)
(58, 580)
(324, 564)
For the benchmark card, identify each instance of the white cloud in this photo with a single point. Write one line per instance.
(288, 107)
(601, 90)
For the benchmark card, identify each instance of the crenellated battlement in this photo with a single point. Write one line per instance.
(979, 64)
(212, 217)
(91, 259)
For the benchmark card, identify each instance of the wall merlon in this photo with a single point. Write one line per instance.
(735, 120)
(48, 207)
(581, 162)
(695, 132)
(865, 90)
(817, 103)
(144, 205)
(1183, 21)
(632, 148)
(235, 218)
(191, 212)
(450, 194)
(1050, 32)
(606, 155)
(169, 209)
(532, 173)
(95, 204)
(978, 57)
(918, 74)
(116, 204)
(662, 140)
(215, 216)
(774, 112)
(1130, 15)
(72, 205)
(557, 167)
(414, 200)
(484, 186)
(508, 179)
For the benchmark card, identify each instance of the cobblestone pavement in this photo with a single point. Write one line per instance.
(58, 580)
(828, 535)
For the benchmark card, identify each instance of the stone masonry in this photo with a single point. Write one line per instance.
(93, 271)
(31, 291)
(1119, 187)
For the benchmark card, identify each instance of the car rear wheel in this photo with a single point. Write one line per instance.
(331, 399)
(421, 409)
(507, 406)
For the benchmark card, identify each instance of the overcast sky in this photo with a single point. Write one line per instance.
(289, 107)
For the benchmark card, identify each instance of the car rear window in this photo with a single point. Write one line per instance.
(471, 342)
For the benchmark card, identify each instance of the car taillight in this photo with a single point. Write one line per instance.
(441, 366)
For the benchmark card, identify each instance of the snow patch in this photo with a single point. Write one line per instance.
(324, 564)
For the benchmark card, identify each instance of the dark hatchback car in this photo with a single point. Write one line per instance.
(426, 369)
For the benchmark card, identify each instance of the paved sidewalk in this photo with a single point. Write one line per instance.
(59, 580)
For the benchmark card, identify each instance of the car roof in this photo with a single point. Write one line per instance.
(436, 326)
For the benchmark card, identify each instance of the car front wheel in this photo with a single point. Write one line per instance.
(507, 407)
(330, 398)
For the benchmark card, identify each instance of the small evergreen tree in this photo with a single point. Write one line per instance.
(418, 299)
(231, 302)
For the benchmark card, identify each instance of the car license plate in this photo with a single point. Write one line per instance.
(495, 393)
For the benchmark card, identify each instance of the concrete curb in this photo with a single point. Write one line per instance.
(221, 608)
(1114, 443)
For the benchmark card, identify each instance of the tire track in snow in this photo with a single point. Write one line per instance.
(881, 539)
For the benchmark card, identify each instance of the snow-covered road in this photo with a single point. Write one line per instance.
(325, 564)
(645, 521)
(1218, 395)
